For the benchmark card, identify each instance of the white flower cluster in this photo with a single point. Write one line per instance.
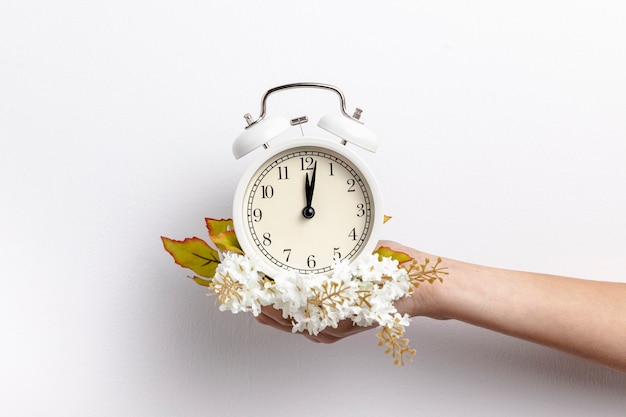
(363, 292)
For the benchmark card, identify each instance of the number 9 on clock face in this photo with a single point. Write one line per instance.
(307, 206)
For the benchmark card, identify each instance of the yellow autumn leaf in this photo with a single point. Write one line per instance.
(227, 241)
(222, 234)
(387, 252)
(216, 226)
(193, 253)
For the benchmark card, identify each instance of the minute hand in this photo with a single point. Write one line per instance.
(309, 187)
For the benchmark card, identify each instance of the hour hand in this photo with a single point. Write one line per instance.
(309, 186)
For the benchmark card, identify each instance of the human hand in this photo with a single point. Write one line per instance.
(274, 318)
(416, 304)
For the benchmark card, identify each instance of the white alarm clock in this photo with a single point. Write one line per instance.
(308, 202)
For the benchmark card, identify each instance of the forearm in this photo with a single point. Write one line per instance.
(582, 317)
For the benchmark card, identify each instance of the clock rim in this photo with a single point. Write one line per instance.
(239, 222)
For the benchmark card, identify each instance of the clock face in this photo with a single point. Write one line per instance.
(307, 206)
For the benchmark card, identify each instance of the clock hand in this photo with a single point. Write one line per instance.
(307, 191)
(312, 183)
(309, 185)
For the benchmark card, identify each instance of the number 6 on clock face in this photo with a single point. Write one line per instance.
(306, 206)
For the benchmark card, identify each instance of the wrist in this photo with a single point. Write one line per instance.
(428, 298)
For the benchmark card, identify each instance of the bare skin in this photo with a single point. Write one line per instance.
(582, 317)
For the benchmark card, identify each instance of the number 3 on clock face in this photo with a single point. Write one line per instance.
(306, 206)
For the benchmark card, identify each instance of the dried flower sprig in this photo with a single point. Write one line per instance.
(329, 296)
(397, 345)
(226, 288)
(363, 292)
(424, 272)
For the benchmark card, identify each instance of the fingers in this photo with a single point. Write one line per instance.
(273, 318)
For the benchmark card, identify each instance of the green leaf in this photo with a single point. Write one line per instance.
(387, 252)
(193, 253)
(227, 241)
(203, 281)
(222, 234)
(218, 226)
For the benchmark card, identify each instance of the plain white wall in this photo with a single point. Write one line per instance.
(502, 142)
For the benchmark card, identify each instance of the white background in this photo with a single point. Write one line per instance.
(502, 143)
